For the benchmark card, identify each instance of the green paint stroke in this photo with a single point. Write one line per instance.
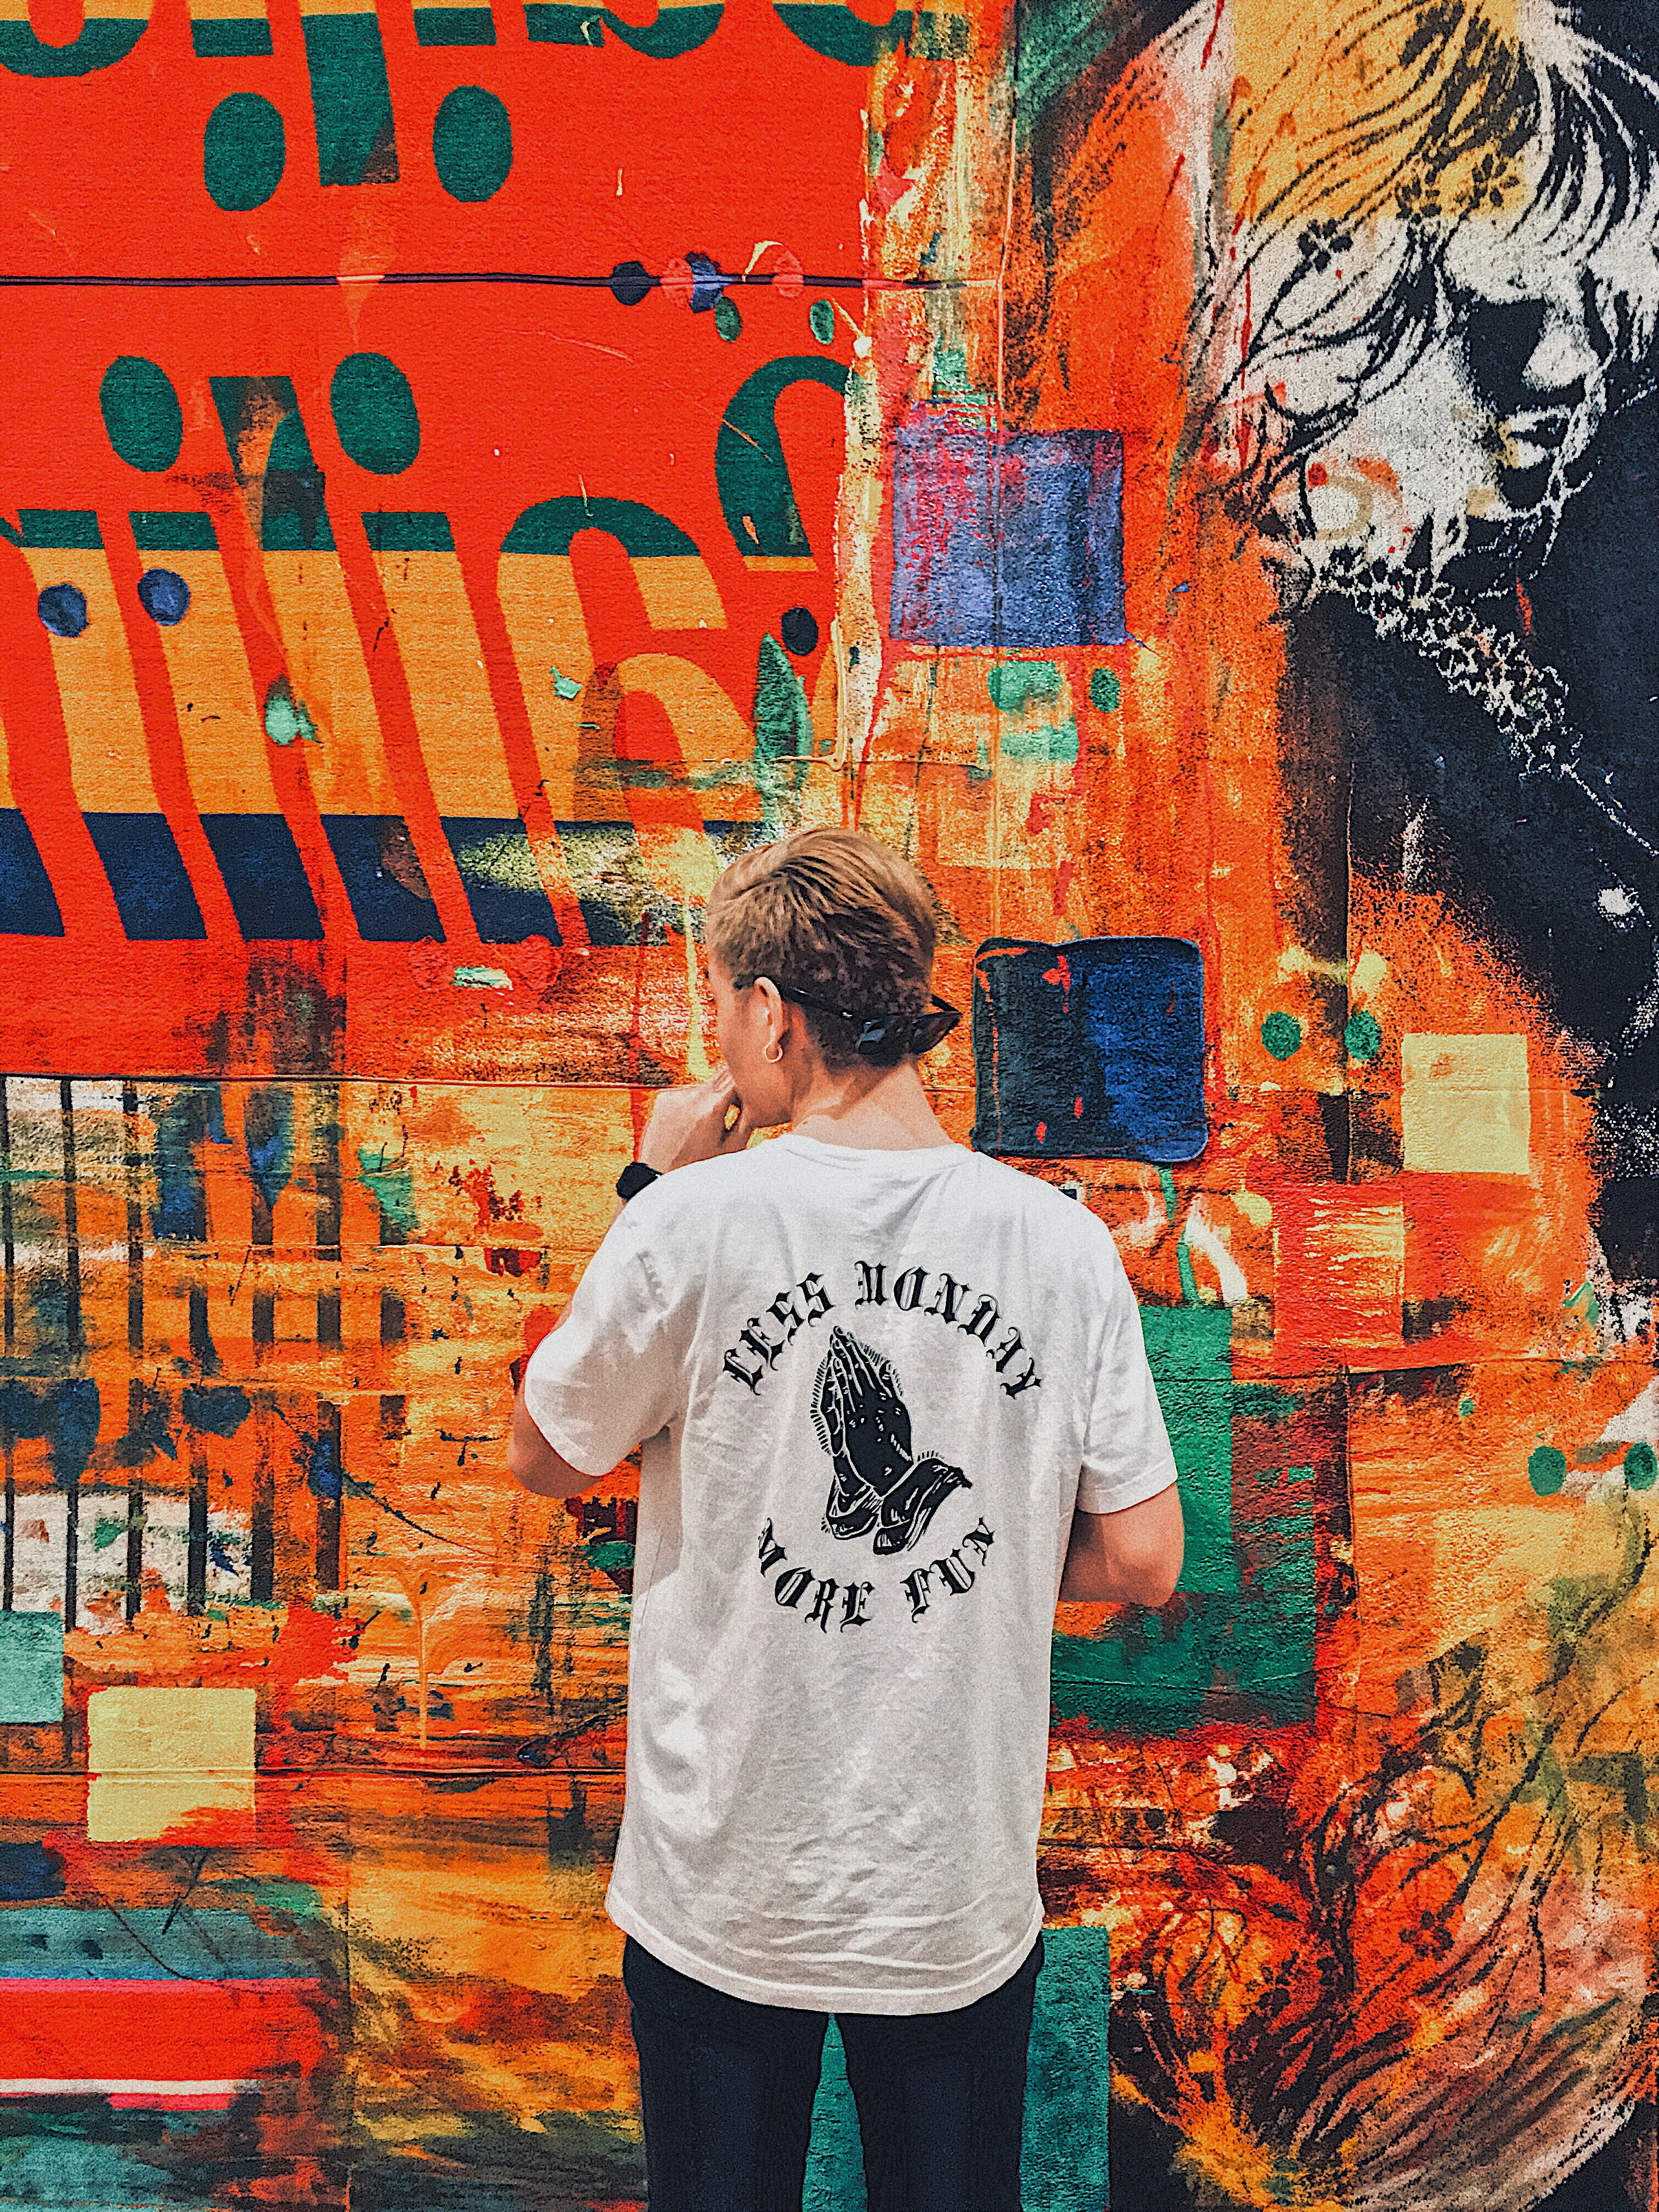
(1281, 1035)
(1641, 1467)
(1012, 682)
(1546, 1470)
(1104, 691)
(31, 1668)
(1362, 1040)
(393, 1191)
(1231, 1647)
(350, 99)
(566, 687)
(727, 321)
(472, 141)
(783, 729)
(244, 152)
(1183, 1251)
(1063, 2148)
(142, 414)
(821, 318)
(375, 413)
(288, 717)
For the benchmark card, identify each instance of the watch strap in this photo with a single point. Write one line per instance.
(634, 1178)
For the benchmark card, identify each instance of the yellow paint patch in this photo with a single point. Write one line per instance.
(348, 770)
(226, 753)
(109, 760)
(1465, 1106)
(679, 592)
(161, 1759)
(438, 642)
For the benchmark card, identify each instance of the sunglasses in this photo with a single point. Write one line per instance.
(912, 1033)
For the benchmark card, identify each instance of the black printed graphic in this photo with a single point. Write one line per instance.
(865, 1426)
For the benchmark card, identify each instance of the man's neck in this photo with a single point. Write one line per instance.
(884, 1111)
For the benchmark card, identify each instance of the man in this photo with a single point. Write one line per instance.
(895, 1402)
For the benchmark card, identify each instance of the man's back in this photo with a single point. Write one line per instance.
(875, 1386)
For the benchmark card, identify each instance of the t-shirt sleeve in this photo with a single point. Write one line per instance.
(1126, 1456)
(609, 1374)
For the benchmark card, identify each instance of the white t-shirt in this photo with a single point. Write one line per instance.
(874, 1385)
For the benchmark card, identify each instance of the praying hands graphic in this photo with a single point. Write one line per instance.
(865, 1426)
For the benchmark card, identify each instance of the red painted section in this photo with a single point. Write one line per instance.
(159, 2031)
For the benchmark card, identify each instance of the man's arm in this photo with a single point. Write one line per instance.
(1130, 1557)
(532, 1461)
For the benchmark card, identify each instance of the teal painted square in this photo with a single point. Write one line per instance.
(1236, 1650)
(31, 1667)
(1068, 2088)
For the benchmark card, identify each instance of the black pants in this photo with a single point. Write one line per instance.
(726, 2091)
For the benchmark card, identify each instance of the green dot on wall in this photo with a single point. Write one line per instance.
(1546, 1470)
(1104, 691)
(1641, 1467)
(1281, 1035)
(244, 152)
(375, 413)
(727, 321)
(472, 144)
(1362, 1040)
(822, 316)
(142, 413)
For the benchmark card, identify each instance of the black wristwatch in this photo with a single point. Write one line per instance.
(633, 1179)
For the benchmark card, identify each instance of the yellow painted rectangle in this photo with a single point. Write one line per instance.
(140, 1730)
(544, 622)
(137, 1808)
(1465, 1105)
(438, 642)
(226, 749)
(348, 767)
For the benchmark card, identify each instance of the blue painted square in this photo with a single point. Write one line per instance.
(1092, 1050)
(31, 1667)
(390, 901)
(263, 875)
(1006, 539)
(27, 906)
(153, 894)
(498, 873)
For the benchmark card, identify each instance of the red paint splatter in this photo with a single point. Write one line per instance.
(1043, 1133)
(1215, 27)
(1525, 605)
(1317, 473)
(1077, 1109)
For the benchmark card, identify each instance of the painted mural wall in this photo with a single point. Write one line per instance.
(1186, 476)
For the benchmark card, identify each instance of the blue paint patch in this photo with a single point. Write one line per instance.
(219, 1412)
(264, 877)
(184, 1122)
(31, 1671)
(66, 1417)
(28, 906)
(153, 894)
(164, 596)
(268, 1133)
(28, 1871)
(63, 608)
(390, 900)
(1014, 539)
(145, 1944)
(499, 874)
(1092, 1050)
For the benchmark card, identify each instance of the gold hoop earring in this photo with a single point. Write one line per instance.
(771, 1054)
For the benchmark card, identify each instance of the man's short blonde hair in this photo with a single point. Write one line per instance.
(833, 912)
